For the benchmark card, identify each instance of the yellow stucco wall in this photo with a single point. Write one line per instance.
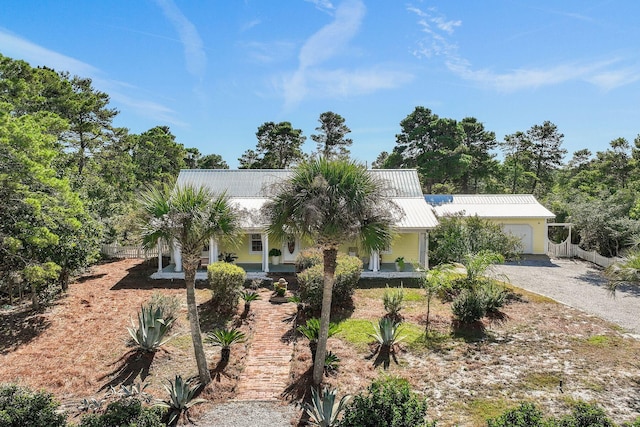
(538, 229)
(404, 244)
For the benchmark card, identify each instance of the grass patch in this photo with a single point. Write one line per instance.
(481, 409)
(542, 380)
(599, 341)
(356, 332)
(528, 296)
(182, 342)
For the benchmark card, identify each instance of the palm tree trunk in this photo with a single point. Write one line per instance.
(190, 263)
(330, 255)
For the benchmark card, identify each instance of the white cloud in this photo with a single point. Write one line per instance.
(323, 5)
(313, 79)
(266, 53)
(437, 43)
(194, 53)
(249, 25)
(19, 48)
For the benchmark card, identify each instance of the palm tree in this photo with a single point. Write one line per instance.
(190, 216)
(625, 271)
(331, 202)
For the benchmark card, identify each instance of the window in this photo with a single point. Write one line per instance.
(256, 243)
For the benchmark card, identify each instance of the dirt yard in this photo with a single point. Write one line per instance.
(542, 351)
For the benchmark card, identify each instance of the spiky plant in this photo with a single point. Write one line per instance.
(181, 397)
(331, 362)
(392, 300)
(311, 331)
(387, 332)
(248, 297)
(323, 410)
(150, 333)
(225, 338)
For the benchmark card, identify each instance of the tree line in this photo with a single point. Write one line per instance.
(70, 179)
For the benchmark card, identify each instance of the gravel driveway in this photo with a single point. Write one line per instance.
(578, 284)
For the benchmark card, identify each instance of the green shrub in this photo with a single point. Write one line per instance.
(21, 407)
(125, 413)
(226, 281)
(525, 415)
(457, 236)
(468, 307)
(309, 257)
(311, 282)
(169, 305)
(585, 415)
(389, 402)
(493, 297)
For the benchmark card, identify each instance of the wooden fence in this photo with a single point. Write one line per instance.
(115, 250)
(571, 250)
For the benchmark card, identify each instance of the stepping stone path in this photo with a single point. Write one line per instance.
(266, 373)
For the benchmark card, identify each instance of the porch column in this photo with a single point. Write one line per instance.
(265, 252)
(213, 250)
(159, 255)
(374, 261)
(426, 250)
(177, 255)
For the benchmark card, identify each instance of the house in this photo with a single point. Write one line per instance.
(249, 189)
(519, 214)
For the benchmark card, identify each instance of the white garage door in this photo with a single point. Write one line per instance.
(524, 232)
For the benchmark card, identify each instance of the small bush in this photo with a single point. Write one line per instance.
(389, 402)
(309, 257)
(493, 297)
(21, 407)
(226, 281)
(125, 413)
(525, 415)
(585, 415)
(169, 305)
(392, 300)
(468, 307)
(311, 282)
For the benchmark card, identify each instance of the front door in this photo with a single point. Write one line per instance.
(290, 250)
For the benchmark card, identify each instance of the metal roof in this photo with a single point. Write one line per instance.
(488, 205)
(249, 189)
(258, 182)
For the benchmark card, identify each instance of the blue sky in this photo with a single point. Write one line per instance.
(216, 70)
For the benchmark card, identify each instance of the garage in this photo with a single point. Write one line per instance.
(524, 232)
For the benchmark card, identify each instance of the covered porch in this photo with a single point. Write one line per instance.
(254, 271)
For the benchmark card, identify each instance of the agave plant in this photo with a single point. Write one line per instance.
(387, 332)
(181, 397)
(323, 410)
(150, 333)
(311, 331)
(225, 338)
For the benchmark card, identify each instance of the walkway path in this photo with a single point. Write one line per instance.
(266, 372)
(578, 284)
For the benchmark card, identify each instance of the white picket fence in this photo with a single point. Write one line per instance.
(115, 250)
(571, 250)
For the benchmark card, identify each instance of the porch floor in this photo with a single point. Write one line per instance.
(254, 271)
